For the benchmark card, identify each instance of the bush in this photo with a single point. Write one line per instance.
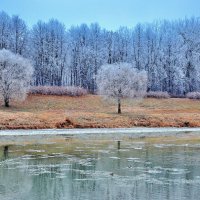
(177, 96)
(58, 90)
(193, 95)
(158, 95)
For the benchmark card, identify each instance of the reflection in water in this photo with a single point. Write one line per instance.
(5, 152)
(100, 172)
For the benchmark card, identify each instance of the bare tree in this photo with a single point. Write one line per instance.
(19, 35)
(168, 50)
(5, 30)
(15, 76)
(121, 80)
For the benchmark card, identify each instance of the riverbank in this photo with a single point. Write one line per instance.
(102, 135)
(49, 112)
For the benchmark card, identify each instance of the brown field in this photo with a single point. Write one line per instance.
(93, 112)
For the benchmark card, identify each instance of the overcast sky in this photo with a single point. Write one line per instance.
(110, 14)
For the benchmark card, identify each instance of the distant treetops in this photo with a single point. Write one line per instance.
(168, 51)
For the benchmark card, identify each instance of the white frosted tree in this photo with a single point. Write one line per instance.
(5, 29)
(49, 53)
(168, 51)
(15, 76)
(18, 35)
(121, 80)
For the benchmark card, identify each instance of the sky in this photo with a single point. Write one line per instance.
(110, 14)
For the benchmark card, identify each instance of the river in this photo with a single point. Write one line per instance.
(98, 164)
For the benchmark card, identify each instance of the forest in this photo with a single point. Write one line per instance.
(169, 51)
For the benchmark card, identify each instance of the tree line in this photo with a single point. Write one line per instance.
(169, 51)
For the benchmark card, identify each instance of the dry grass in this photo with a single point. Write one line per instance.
(91, 111)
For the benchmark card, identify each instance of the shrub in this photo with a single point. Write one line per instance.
(193, 95)
(158, 95)
(58, 90)
(177, 96)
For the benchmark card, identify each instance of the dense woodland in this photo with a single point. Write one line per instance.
(168, 51)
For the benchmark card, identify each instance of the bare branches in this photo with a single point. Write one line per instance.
(168, 51)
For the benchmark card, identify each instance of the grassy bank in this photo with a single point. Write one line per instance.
(40, 111)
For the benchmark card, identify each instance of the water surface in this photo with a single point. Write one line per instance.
(88, 168)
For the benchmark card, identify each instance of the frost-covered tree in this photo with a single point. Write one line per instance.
(19, 35)
(49, 53)
(5, 29)
(168, 51)
(13, 34)
(121, 80)
(15, 76)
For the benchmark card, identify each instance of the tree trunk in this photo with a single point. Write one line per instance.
(119, 106)
(6, 102)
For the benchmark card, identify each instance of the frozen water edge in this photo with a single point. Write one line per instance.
(100, 131)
